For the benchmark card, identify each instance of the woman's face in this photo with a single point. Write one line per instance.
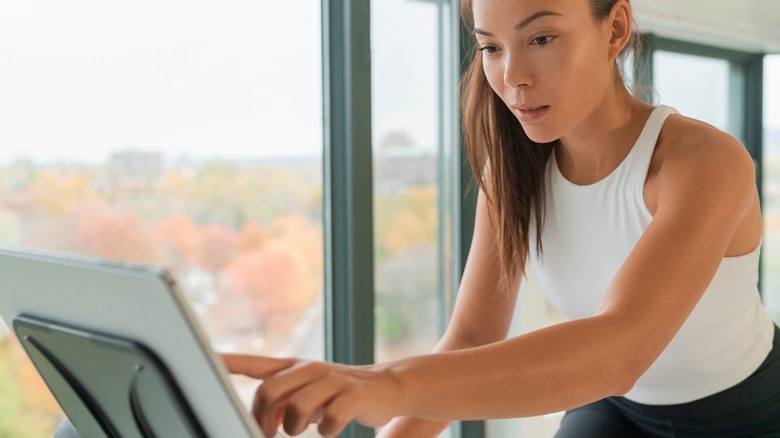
(548, 60)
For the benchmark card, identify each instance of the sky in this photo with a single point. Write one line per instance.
(229, 79)
(232, 78)
(203, 79)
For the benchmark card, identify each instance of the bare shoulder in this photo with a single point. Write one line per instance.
(690, 150)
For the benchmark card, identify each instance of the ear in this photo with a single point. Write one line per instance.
(620, 25)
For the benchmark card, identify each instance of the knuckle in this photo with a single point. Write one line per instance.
(265, 393)
(314, 367)
(296, 417)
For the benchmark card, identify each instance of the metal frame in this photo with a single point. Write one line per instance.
(348, 203)
(689, 48)
(754, 130)
(348, 194)
(466, 190)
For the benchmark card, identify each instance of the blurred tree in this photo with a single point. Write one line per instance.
(25, 411)
(269, 277)
(254, 228)
(276, 282)
(304, 235)
(406, 264)
(406, 218)
(36, 392)
(219, 247)
(102, 231)
(10, 232)
(54, 191)
(251, 237)
(182, 239)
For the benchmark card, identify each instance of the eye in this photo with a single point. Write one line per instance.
(542, 40)
(488, 50)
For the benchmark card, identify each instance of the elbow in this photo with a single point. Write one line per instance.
(465, 339)
(617, 382)
(629, 356)
(622, 387)
(628, 372)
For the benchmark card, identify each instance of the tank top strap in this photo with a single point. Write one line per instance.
(642, 152)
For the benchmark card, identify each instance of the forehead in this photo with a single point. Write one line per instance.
(499, 13)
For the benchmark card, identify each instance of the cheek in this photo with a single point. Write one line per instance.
(593, 63)
(580, 77)
(494, 76)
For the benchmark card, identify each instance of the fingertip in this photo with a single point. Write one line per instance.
(229, 360)
(332, 425)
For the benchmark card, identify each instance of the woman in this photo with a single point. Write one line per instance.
(643, 226)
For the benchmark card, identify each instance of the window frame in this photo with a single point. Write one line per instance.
(348, 182)
(348, 186)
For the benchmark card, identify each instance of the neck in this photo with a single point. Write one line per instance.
(594, 148)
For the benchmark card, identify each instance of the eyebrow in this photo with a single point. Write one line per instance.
(523, 24)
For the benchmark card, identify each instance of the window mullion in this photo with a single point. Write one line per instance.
(754, 129)
(466, 191)
(348, 203)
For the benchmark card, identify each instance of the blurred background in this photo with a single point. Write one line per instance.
(189, 134)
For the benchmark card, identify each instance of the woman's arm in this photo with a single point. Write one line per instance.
(704, 191)
(482, 314)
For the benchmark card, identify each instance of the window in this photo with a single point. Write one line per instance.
(696, 86)
(410, 181)
(174, 133)
(412, 108)
(771, 192)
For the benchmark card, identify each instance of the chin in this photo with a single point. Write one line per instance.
(540, 136)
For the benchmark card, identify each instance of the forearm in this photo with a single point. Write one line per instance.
(548, 370)
(402, 427)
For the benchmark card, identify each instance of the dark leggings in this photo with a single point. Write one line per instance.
(748, 409)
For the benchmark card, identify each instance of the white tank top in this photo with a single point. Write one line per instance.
(590, 230)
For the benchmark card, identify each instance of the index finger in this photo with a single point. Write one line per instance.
(257, 367)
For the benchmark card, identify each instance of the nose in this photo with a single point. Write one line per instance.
(517, 73)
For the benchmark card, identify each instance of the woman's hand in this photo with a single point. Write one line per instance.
(296, 393)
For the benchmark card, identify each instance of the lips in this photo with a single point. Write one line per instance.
(530, 112)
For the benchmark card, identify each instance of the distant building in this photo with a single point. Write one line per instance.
(406, 169)
(136, 172)
(400, 162)
(147, 166)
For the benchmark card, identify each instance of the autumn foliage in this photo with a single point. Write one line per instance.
(245, 248)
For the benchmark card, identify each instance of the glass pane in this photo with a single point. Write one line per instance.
(171, 132)
(697, 86)
(770, 280)
(409, 217)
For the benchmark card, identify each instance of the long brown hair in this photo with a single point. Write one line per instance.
(499, 149)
